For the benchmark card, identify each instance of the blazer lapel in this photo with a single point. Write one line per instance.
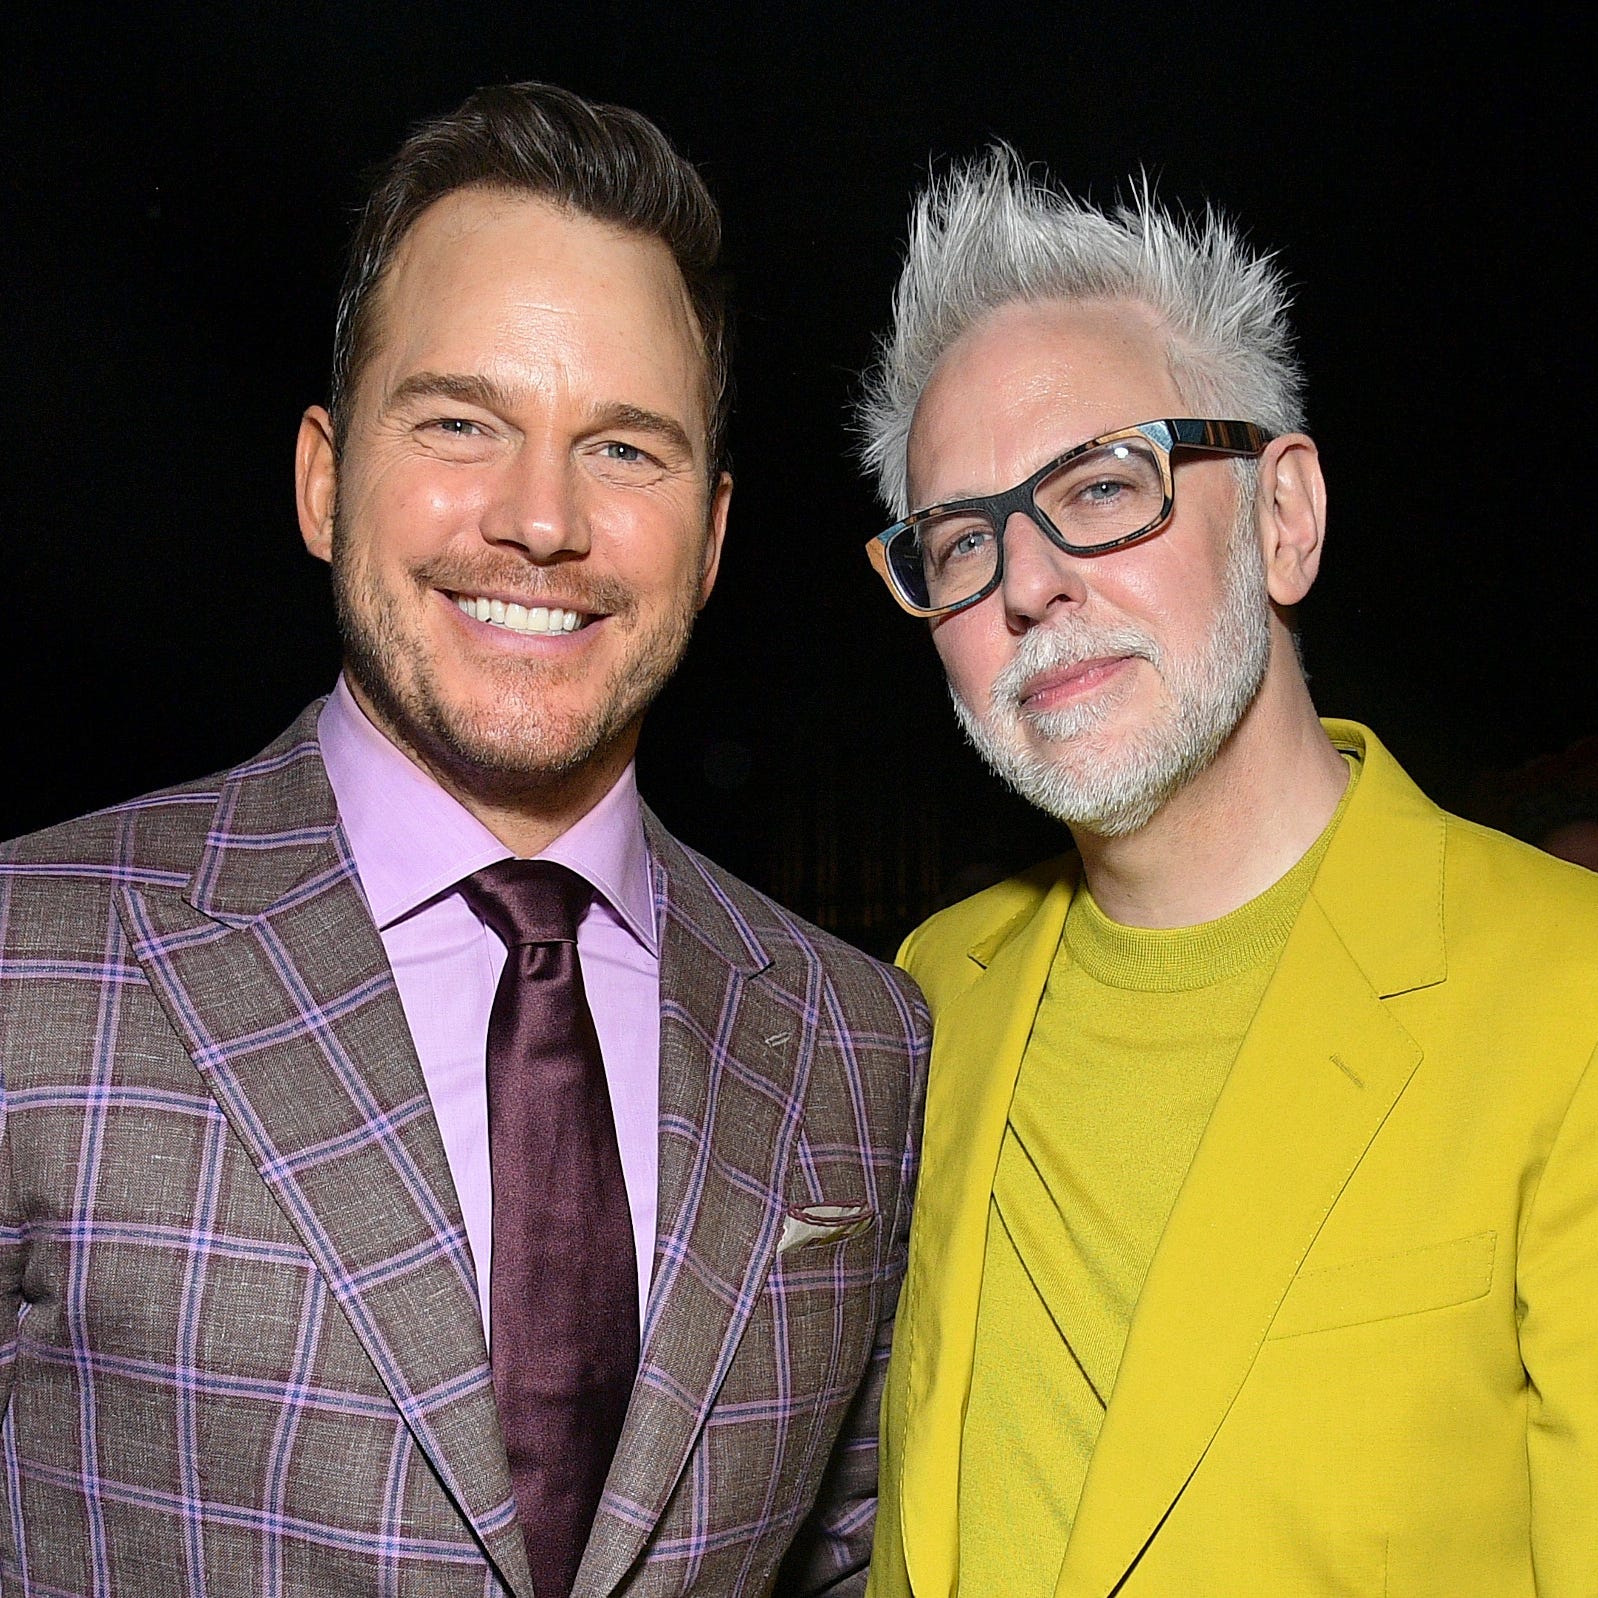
(1321, 1068)
(977, 1049)
(734, 1058)
(274, 976)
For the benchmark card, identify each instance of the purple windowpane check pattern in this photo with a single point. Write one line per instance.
(241, 1349)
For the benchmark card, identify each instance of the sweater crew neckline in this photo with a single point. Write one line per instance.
(1180, 959)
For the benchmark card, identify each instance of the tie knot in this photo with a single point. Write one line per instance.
(528, 901)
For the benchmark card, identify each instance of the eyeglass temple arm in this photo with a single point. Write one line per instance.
(1229, 438)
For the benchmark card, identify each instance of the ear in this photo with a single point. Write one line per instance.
(715, 534)
(1291, 508)
(314, 481)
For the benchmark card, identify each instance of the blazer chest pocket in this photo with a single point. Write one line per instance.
(1433, 1276)
(816, 1314)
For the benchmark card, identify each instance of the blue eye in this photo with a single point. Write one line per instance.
(943, 543)
(1101, 491)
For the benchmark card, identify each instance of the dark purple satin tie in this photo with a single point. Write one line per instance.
(563, 1297)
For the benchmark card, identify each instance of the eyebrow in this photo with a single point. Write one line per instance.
(471, 389)
(467, 387)
(636, 419)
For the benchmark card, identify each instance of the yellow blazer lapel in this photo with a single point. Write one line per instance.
(1322, 1066)
(978, 1043)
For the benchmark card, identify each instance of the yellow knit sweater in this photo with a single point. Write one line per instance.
(1133, 1041)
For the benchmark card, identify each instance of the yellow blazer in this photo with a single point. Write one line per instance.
(1365, 1359)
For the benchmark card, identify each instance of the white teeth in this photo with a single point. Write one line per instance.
(520, 618)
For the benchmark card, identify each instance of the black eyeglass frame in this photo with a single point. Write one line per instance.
(1166, 435)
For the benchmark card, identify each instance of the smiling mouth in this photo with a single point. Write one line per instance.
(517, 618)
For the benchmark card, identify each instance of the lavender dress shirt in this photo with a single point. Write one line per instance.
(412, 843)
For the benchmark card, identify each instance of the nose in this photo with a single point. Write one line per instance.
(533, 504)
(1038, 575)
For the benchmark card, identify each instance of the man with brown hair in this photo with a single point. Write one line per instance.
(420, 1173)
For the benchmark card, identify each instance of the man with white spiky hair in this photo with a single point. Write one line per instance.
(1256, 1242)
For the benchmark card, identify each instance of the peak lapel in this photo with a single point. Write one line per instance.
(274, 977)
(734, 1056)
(1321, 1068)
(978, 1042)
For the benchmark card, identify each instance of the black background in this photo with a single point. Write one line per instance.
(178, 188)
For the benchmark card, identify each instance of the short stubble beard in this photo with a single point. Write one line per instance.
(515, 746)
(1113, 787)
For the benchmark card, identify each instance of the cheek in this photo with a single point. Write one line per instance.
(971, 654)
(662, 548)
(428, 493)
(408, 512)
(1172, 589)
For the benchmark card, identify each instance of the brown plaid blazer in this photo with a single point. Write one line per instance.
(242, 1350)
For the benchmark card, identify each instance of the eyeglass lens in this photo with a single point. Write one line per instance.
(1094, 499)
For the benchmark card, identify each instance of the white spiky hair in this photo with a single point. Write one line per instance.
(989, 234)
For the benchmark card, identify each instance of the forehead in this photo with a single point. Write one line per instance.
(517, 287)
(1029, 381)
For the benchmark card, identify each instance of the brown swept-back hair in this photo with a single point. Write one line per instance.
(602, 161)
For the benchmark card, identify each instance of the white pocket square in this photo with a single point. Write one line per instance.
(824, 1223)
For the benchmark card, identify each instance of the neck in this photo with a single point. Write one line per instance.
(527, 821)
(1232, 831)
(526, 811)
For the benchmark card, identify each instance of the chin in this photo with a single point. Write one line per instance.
(533, 745)
(1085, 734)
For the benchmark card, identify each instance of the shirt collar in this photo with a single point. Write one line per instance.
(608, 849)
(412, 841)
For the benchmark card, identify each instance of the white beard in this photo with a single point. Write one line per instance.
(1114, 786)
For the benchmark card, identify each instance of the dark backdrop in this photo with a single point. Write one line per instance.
(177, 190)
